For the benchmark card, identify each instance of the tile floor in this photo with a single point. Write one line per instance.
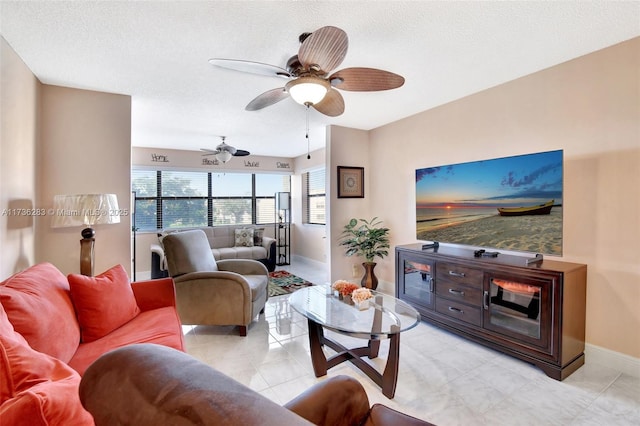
(443, 378)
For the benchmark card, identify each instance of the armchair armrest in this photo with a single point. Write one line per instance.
(242, 266)
(218, 297)
(153, 294)
(157, 248)
(267, 242)
(339, 400)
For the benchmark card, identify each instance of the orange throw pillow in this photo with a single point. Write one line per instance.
(37, 389)
(38, 304)
(103, 303)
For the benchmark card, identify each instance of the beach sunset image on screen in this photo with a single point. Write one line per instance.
(511, 203)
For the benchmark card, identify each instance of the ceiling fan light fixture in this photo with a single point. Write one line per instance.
(307, 90)
(223, 156)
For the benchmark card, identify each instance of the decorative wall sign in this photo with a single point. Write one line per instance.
(159, 158)
(210, 162)
(350, 182)
(176, 159)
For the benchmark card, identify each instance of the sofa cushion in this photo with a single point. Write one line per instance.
(37, 389)
(161, 326)
(104, 302)
(38, 304)
(6, 329)
(244, 237)
(253, 253)
(258, 234)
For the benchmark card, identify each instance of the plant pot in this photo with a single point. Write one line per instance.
(369, 280)
(363, 305)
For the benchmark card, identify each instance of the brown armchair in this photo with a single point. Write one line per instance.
(147, 384)
(210, 292)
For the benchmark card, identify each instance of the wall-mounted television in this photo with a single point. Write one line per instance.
(511, 203)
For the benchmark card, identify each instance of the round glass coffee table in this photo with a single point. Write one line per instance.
(385, 318)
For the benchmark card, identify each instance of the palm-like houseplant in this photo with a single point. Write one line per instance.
(368, 239)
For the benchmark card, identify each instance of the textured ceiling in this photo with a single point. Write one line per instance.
(157, 52)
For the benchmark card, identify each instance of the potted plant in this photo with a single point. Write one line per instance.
(368, 239)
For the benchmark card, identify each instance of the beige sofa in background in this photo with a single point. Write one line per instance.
(222, 240)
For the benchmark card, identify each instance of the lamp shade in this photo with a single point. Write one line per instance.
(85, 210)
(224, 156)
(307, 90)
(282, 200)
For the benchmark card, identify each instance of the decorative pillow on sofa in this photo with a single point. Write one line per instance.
(38, 304)
(258, 233)
(36, 389)
(103, 303)
(244, 237)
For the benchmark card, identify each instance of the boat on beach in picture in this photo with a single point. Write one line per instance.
(529, 210)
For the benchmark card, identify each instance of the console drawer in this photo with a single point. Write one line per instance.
(466, 313)
(458, 274)
(460, 293)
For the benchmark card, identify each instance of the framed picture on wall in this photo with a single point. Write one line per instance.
(350, 182)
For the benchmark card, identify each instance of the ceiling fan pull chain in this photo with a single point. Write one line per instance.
(307, 135)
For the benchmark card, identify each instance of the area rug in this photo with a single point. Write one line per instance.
(282, 282)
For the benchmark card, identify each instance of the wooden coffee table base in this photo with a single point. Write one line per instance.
(387, 380)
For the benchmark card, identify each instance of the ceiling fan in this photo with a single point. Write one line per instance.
(224, 152)
(311, 82)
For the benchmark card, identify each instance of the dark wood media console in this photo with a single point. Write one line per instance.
(534, 312)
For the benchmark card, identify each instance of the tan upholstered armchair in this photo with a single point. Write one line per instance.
(226, 292)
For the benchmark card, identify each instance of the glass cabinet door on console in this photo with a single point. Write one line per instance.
(519, 308)
(416, 278)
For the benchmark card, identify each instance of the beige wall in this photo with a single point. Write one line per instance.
(351, 147)
(58, 140)
(18, 133)
(308, 241)
(84, 147)
(590, 108)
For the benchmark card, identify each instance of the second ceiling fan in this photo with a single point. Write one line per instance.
(311, 82)
(224, 152)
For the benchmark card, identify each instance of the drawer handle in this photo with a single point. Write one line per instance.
(457, 274)
(456, 292)
(456, 310)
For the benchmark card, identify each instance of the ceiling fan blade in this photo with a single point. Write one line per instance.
(325, 47)
(365, 80)
(268, 98)
(332, 104)
(241, 153)
(250, 67)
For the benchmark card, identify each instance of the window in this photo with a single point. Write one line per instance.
(266, 188)
(145, 186)
(231, 198)
(175, 199)
(314, 183)
(184, 199)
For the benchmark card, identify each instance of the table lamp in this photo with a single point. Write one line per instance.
(85, 210)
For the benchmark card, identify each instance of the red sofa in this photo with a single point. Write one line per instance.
(53, 327)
